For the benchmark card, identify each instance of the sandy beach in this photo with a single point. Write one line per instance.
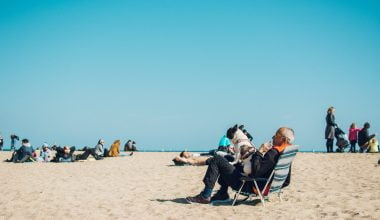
(148, 186)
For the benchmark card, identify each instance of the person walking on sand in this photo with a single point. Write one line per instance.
(330, 129)
(353, 136)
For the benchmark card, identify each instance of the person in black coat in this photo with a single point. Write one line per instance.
(364, 137)
(227, 175)
(330, 129)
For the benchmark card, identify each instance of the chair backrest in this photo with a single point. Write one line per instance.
(281, 170)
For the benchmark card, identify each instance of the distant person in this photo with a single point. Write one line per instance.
(190, 159)
(373, 146)
(64, 155)
(330, 129)
(353, 136)
(45, 154)
(1, 142)
(23, 154)
(114, 149)
(97, 152)
(364, 138)
(130, 146)
(14, 138)
(224, 144)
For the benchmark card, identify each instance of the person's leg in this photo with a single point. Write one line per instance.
(354, 143)
(85, 155)
(24, 159)
(329, 145)
(216, 166)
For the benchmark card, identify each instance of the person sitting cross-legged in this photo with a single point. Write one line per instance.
(260, 165)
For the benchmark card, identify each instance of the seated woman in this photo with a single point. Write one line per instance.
(114, 149)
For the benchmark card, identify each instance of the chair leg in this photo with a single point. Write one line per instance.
(260, 195)
(279, 195)
(237, 194)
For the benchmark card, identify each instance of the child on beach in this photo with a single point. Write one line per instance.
(353, 136)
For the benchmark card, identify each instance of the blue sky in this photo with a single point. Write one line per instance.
(177, 74)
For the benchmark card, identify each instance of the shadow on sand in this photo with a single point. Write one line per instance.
(177, 200)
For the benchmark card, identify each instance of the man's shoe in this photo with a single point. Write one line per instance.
(220, 197)
(198, 199)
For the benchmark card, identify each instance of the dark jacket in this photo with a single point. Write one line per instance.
(24, 151)
(330, 124)
(262, 167)
(363, 136)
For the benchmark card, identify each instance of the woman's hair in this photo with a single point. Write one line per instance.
(329, 110)
(353, 125)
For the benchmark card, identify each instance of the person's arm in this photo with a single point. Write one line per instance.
(262, 165)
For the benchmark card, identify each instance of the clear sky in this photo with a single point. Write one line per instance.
(177, 74)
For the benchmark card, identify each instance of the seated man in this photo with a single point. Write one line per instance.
(190, 159)
(23, 154)
(219, 169)
(364, 138)
(65, 154)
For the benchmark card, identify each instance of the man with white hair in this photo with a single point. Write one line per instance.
(262, 163)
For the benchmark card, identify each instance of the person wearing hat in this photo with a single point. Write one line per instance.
(45, 153)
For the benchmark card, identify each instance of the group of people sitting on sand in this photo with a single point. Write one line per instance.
(26, 152)
(237, 157)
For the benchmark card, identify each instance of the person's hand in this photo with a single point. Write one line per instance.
(265, 147)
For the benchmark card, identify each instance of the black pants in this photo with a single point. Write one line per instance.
(329, 145)
(88, 152)
(353, 146)
(1, 145)
(228, 174)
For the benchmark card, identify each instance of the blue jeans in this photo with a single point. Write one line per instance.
(353, 146)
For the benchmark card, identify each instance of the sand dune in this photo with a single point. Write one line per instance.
(147, 186)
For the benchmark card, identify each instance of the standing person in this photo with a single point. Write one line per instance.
(13, 141)
(364, 138)
(353, 136)
(1, 142)
(330, 129)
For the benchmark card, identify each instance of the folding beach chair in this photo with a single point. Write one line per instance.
(279, 174)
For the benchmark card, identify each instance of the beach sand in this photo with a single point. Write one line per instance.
(147, 186)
